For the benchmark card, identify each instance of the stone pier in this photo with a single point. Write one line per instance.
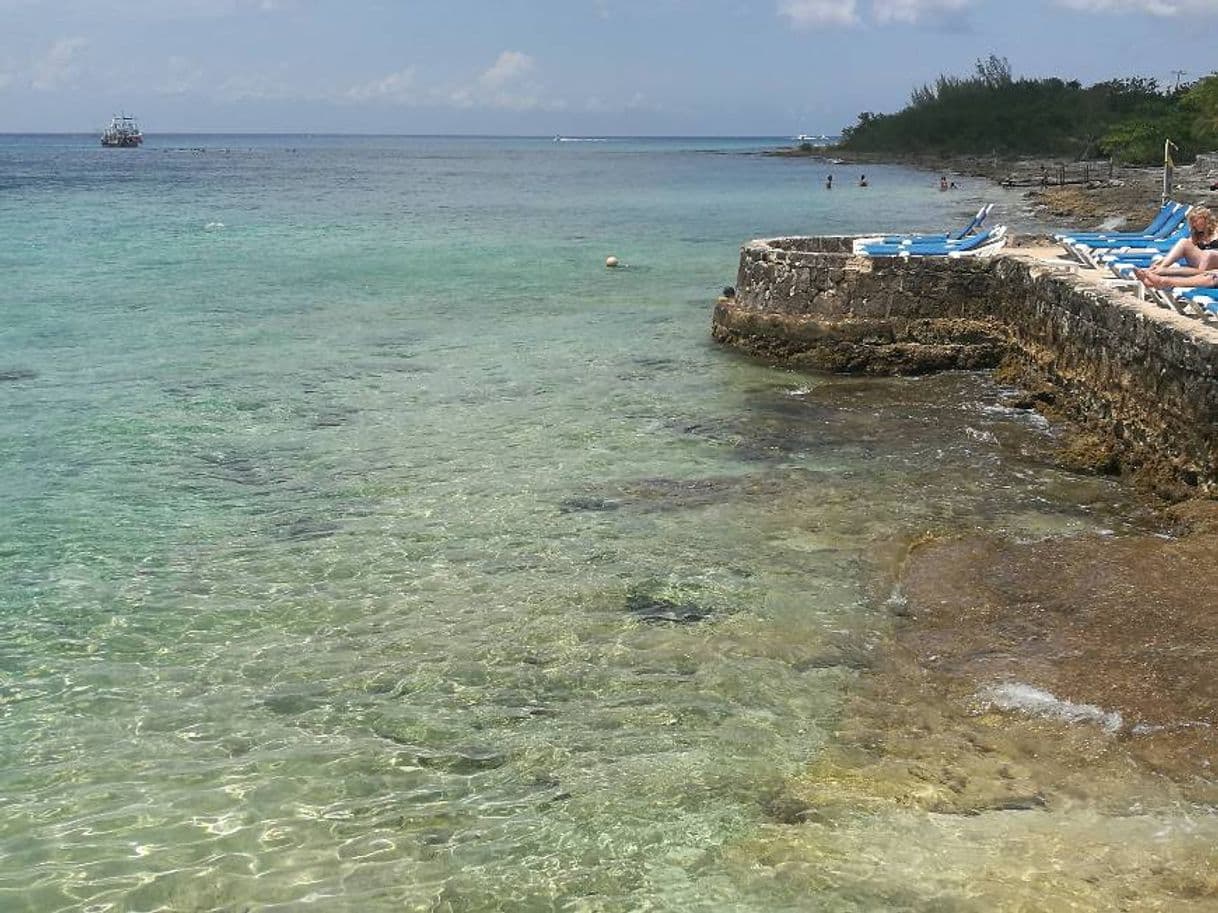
(1140, 380)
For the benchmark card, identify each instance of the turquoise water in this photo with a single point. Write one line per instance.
(338, 478)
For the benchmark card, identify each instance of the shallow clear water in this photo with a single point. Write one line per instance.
(337, 476)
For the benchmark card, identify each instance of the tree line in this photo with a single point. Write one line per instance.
(992, 113)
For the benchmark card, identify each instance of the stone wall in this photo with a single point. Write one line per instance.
(808, 302)
(1143, 381)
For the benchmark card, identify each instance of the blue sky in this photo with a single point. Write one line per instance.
(540, 67)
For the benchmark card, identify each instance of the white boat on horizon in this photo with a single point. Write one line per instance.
(123, 133)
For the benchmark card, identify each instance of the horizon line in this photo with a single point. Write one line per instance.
(432, 135)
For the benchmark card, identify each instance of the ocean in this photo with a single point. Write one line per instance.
(369, 546)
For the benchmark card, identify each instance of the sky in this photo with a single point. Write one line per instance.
(544, 67)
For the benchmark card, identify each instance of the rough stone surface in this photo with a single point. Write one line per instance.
(1146, 388)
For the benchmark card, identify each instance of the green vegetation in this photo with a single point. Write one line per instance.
(991, 112)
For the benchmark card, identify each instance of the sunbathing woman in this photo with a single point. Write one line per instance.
(1199, 250)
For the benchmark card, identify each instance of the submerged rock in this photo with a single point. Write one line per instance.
(681, 494)
(654, 609)
(305, 528)
(436, 836)
(336, 417)
(467, 759)
(785, 808)
(587, 503)
(242, 470)
(293, 702)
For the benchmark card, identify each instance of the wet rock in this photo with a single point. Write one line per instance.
(1199, 516)
(1091, 454)
(1028, 400)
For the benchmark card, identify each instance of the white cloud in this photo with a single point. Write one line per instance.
(640, 102)
(1151, 7)
(465, 97)
(510, 67)
(807, 13)
(58, 68)
(153, 9)
(506, 84)
(399, 87)
(268, 86)
(804, 13)
(181, 76)
(912, 10)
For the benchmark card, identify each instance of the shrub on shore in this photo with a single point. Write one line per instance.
(991, 112)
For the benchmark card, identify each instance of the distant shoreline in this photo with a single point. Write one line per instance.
(1093, 192)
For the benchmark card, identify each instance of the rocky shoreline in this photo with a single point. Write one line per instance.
(1050, 704)
(1094, 193)
(1050, 699)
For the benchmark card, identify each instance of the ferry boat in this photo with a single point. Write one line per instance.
(123, 132)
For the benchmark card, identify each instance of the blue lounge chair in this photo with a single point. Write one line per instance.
(984, 243)
(1161, 221)
(1121, 262)
(1192, 302)
(959, 235)
(1141, 241)
(1082, 246)
(1090, 252)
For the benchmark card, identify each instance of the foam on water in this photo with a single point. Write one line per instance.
(1033, 701)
